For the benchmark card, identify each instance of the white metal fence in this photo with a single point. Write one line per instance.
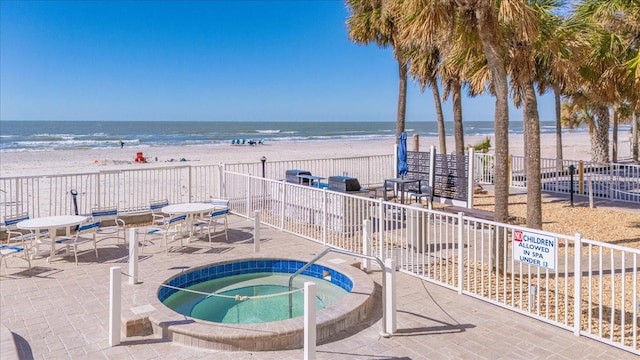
(617, 182)
(369, 170)
(591, 289)
(131, 190)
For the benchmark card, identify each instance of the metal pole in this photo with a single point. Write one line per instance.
(256, 231)
(571, 170)
(74, 195)
(264, 160)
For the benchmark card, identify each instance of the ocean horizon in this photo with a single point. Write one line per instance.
(75, 135)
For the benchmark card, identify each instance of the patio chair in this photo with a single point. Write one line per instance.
(13, 249)
(14, 235)
(424, 193)
(157, 216)
(109, 214)
(85, 233)
(173, 227)
(216, 218)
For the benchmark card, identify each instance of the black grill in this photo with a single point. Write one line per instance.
(343, 183)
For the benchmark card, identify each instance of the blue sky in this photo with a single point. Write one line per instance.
(201, 61)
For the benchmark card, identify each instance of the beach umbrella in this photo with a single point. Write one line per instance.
(403, 167)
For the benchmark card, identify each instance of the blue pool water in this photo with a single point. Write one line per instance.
(251, 291)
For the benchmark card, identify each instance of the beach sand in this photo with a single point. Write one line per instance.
(31, 163)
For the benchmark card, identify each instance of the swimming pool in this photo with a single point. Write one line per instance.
(251, 291)
(156, 318)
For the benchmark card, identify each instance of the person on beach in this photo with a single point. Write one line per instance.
(121, 144)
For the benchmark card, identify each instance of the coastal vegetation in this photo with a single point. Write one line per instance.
(586, 52)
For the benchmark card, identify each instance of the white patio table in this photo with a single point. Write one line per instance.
(192, 210)
(52, 224)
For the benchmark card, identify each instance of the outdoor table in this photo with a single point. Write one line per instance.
(311, 179)
(401, 182)
(191, 210)
(52, 224)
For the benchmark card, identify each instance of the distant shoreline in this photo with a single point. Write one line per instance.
(30, 163)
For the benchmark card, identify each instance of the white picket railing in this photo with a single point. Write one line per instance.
(131, 190)
(617, 182)
(592, 288)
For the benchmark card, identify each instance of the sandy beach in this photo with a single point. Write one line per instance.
(29, 163)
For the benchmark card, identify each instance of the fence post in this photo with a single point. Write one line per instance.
(390, 296)
(114, 306)
(133, 257)
(190, 184)
(256, 232)
(248, 202)
(395, 160)
(221, 186)
(432, 167)
(470, 178)
(577, 286)
(284, 205)
(366, 244)
(325, 216)
(381, 223)
(590, 187)
(581, 177)
(460, 254)
(309, 320)
(611, 176)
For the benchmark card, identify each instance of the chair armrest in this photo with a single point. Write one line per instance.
(157, 219)
(120, 222)
(11, 234)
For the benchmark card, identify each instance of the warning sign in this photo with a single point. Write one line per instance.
(535, 249)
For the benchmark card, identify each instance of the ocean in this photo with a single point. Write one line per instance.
(74, 135)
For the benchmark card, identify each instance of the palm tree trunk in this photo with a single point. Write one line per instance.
(402, 99)
(600, 137)
(458, 133)
(558, 103)
(458, 128)
(532, 134)
(487, 30)
(442, 135)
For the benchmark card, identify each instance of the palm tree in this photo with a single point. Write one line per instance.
(423, 68)
(370, 23)
(608, 73)
(556, 65)
(529, 60)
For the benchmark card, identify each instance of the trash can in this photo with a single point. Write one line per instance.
(417, 222)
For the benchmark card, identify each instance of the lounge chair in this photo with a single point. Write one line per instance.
(80, 237)
(158, 217)
(172, 226)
